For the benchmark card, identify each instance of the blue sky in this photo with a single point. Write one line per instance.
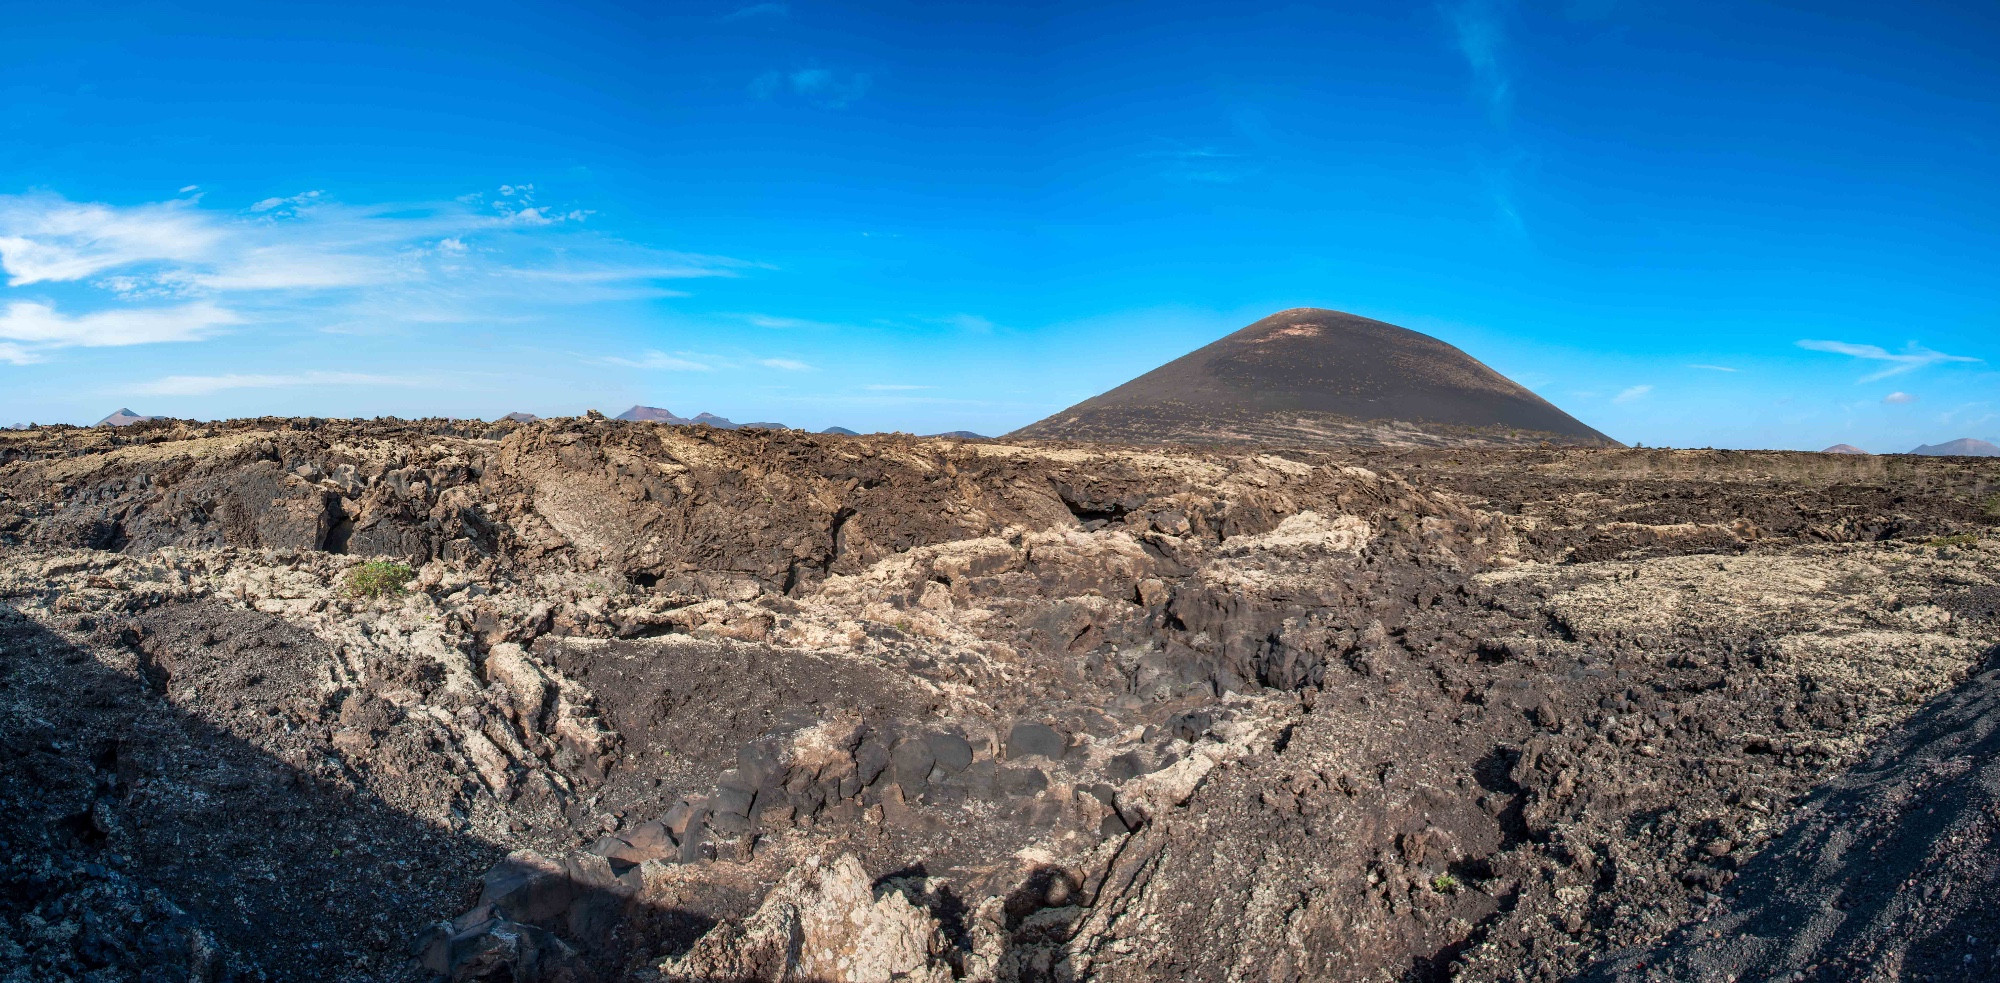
(1694, 224)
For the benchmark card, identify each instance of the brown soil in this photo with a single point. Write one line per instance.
(676, 703)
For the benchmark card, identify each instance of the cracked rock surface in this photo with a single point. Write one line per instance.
(670, 703)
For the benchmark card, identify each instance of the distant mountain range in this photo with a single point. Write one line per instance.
(1319, 377)
(655, 414)
(1962, 447)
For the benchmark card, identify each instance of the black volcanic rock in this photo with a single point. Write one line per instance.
(1311, 376)
(122, 418)
(1962, 447)
(652, 414)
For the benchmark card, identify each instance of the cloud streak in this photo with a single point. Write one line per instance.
(207, 385)
(1711, 368)
(822, 87)
(1479, 30)
(756, 10)
(658, 360)
(1914, 357)
(1632, 394)
(176, 271)
(40, 325)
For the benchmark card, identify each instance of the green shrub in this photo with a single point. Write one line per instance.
(1993, 507)
(378, 578)
(1964, 539)
(1444, 884)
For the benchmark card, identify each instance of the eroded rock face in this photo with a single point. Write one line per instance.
(688, 703)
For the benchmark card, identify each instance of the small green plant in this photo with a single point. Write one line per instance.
(1444, 884)
(1965, 540)
(1992, 507)
(378, 578)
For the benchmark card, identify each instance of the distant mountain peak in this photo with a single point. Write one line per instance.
(652, 414)
(1843, 449)
(1962, 447)
(123, 418)
(520, 417)
(1311, 376)
(655, 414)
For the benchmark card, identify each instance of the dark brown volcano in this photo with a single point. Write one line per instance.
(1315, 376)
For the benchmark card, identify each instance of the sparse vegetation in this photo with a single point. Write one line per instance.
(378, 578)
(1992, 507)
(1444, 884)
(1964, 540)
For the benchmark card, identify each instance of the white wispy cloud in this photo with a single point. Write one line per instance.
(687, 361)
(290, 202)
(786, 323)
(659, 360)
(1478, 27)
(16, 355)
(822, 87)
(1899, 398)
(1711, 368)
(179, 271)
(1914, 357)
(1203, 165)
(205, 385)
(757, 10)
(969, 322)
(1633, 393)
(46, 238)
(42, 326)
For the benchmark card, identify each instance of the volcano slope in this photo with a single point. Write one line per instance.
(675, 703)
(1311, 377)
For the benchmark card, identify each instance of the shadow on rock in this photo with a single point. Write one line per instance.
(146, 843)
(1888, 865)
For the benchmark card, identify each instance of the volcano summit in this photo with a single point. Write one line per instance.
(1319, 377)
